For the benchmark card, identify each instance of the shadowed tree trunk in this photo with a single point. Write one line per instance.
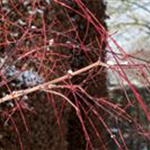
(85, 45)
(85, 34)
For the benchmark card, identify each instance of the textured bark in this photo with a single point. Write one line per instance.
(96, 86)
(44, 132)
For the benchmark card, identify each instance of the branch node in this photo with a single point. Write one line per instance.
(70, 73)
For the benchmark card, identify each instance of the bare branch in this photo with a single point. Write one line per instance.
(50, 84)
